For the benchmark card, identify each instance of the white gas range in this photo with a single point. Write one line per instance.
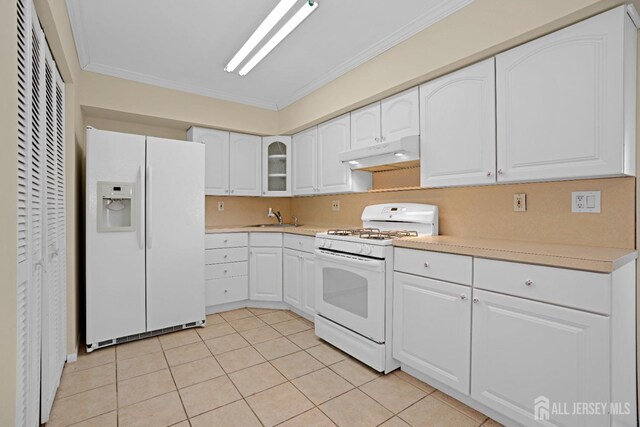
(354, 280)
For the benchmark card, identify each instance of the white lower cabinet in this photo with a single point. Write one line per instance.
(226, 268)
(432, 328)
(265, 274)
(309, 283)
(529, 355)
(299, 280)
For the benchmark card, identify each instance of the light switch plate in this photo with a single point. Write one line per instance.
(335, 205)
(220, 206)
(585, 202)
(520, 202)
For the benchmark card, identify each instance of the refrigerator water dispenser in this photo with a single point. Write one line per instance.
(116, 207)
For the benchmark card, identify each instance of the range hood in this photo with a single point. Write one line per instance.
(385, 153)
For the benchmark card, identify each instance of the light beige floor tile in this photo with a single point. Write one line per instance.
(209, 395)
(184, 423)
(144, 387)
(395, 422)
(236, 414)
(77, 382)
(137, 348)
(290, 327)
(176, 339)
(297, 364)
(160, 411)
(326, 354)
(246, 324)
(305, 339)
(256, 379)
(260, 311)
(469, 412)
(312, 418)
(226, 343)
(355, 372)
(393, 393)
(239, 359)
(91, 360)
(215, 331)
(262, 334)
(294, 314)
(187, 353)
(491, 423)
(197, 371)
(141, 365)
(83, 406)
(240, 313)
(355, 409)
(433, 412)
(214, 319)
(109, 419)
(322, 385)
(276, 317)
(414, 381)
(278, 404)
(276, 348)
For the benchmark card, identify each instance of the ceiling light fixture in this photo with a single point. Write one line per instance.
(267, 25)
(287, 28)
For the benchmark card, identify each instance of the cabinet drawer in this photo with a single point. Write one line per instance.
(436, 265)
(299, 243)
(225, 240)
(231, 269)
(216, 256)
(265, 239)
(571, 288)
(221, 291)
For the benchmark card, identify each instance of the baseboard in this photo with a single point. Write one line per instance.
(276, 305)
(74, 356)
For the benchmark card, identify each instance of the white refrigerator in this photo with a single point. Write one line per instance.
(144, 236)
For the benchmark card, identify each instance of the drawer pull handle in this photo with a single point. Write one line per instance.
(225, 271)
(226, 290)
(475, 300)
(463, 296)
(225, 256)
(426, 264)
(528, 282)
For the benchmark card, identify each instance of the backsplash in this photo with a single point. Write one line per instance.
(245, 210)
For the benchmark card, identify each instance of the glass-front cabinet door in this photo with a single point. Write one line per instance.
(276, 166)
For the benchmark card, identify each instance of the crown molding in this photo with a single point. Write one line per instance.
(433, 15)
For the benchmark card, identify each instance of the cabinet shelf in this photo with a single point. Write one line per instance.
(278, 156)
(277, 175)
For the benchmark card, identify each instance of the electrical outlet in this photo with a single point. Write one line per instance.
(220, 206)
(520, 202)
(335, 205)
(585, 202)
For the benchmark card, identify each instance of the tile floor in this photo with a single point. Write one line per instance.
(247, 367)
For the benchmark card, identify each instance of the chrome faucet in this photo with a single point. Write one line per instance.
(276, 214)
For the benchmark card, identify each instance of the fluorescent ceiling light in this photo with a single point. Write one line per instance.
(291, 25)
(267, 25)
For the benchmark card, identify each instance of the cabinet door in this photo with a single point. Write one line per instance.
(309, 283)
(333, 138)
(432, 328)
(365, 126)
(276, 166)
(401, 115)
(560, 103)
(458, 140)
(292, 277)
(265, 274)
(525, 352)
(305, 161)
(245, 165)
(216, 155)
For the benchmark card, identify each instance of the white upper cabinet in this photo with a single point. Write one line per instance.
(305, 162)
(245, 165)
(566, 102)
(458, 139)
(276, 166)
(216, 174)
(333, 138)
(365, 126)
(400, 115)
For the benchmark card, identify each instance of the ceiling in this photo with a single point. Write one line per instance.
(185, 44)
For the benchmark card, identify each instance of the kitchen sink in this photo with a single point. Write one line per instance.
(273, 225)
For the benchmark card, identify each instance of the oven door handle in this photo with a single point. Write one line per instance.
(351, 260)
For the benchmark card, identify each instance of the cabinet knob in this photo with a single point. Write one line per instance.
(476, 300)
(225, 271)
(500, 172)
(226, 191)
(377, 139)
(426, 264)
(225, 241)
(225, 255)
(231, 191)
(529, 282)
(489, 173)
(384, 138)
(226, 290)
(463, 296)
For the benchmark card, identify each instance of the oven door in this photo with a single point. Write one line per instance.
(350, 291)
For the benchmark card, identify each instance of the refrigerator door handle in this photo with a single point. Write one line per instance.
(140, 210)
(149, 193)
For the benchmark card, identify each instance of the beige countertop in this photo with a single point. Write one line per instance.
(590, 258)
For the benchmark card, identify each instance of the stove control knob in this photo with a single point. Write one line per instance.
(327, 244)
(367, 249)
(323, 243)
(360, 248)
